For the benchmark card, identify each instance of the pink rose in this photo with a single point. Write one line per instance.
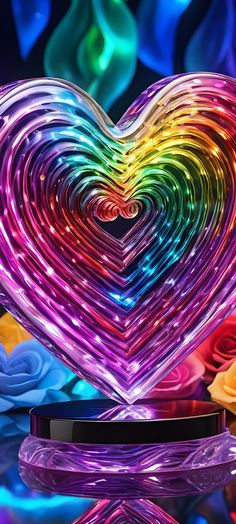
(182, 382)
(218, 351)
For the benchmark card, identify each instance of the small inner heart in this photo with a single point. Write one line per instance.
(115, 217)
(118, 227)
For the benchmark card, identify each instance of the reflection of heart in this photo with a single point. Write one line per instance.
(120, 311)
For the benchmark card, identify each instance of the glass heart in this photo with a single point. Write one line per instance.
(120, 311)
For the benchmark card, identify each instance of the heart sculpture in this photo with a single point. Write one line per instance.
(120, 312)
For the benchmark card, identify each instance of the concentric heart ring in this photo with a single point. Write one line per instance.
(120, 312)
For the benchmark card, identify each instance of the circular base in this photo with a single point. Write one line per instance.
(84, 448)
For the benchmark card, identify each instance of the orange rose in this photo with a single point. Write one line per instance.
(223, 388)
(218, 351)
(11, 333)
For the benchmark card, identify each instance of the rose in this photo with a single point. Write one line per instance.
(11, 333)
(14, 424)
(182, 382)
(223, 388)
(30, 376)
(218, 351)
(71, 387)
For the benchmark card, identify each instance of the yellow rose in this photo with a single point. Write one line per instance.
(11, 333)
(223, 388)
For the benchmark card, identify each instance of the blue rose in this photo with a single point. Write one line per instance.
(30, 376)
(14, 424)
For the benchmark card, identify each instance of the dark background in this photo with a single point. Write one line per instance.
(14, 68)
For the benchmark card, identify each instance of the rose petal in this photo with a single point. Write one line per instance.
(5, 404)
(55, 378)
(229, 390)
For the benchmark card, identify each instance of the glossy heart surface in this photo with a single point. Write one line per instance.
(121, 310)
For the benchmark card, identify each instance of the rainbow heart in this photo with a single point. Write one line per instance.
(120, 312)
